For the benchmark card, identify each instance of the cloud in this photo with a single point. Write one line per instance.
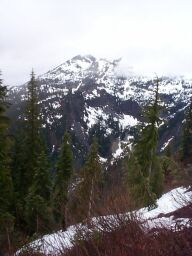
(152, 36)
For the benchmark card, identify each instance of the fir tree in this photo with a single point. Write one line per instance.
(138, 187)
(38, 212)
(18, 168)
(32, 131)
(4, 121)
(6, 187)
(64, 170)
(144, 170)
(168, 151)
(187, 135)
(168, 164)
(27, 143)
(89, 187)
(31, 173)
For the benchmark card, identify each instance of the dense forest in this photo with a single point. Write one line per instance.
(39, 195)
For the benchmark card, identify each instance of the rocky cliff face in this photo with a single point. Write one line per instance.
(88, 97)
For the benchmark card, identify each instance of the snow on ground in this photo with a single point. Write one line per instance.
(102, 159)
(58, 116)
(92, 114)
(121, 149)
(166, 144)
(118, 151)
(168, 203)
(56, 105)
(172, 87)
(53, 244)
(127, 121)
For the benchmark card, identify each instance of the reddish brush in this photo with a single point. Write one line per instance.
(131, 240)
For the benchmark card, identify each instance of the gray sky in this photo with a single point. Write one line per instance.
(150, 35)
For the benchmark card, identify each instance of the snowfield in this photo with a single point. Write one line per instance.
(56, 243)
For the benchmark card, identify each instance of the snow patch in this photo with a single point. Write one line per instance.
(92, 115)
(166, 144)
(118, 151)
(127, 121)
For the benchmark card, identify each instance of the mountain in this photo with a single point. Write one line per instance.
(89, 96)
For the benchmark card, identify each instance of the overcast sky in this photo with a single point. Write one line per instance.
(150, 35)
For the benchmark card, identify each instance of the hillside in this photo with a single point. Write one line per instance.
(88, 96)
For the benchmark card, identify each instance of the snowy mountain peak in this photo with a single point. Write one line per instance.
(87, 58)
(79, 67)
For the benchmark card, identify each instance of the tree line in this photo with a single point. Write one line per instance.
(33, 200)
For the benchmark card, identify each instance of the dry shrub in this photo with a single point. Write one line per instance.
(128, 235)
(131, 240)
(31, 252)
(125, 234)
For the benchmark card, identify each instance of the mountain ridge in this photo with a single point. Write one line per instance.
(87, 96)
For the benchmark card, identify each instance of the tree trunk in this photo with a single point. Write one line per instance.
(37, 224)
(8, 240)
(150, 166)
(63, 218)
(90, 201)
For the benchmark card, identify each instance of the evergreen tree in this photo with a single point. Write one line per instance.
(4, 121)
(144, 170)
(31, 173)
(37, 179)
(6, 187)
(187, 134)
(89, 187)
(138, 186)
(18, 167)
(64, 170)
(27, 143)
(168, 164)
(38, 212)
(32, 132)
(168, 151)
